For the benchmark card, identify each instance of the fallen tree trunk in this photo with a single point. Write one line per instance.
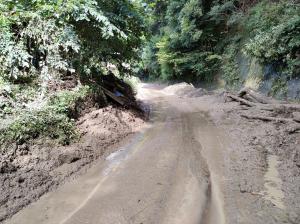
(267, 107)
(292, 107)
(114, 97)
(266, 118)
(253, 96)
(241, 100)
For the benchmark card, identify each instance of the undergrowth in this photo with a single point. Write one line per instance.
(54, 120)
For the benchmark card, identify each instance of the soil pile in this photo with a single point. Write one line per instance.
(184, 90)
(30, 170)
(262, 164)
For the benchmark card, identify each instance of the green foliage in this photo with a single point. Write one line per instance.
(150, 64)
(54, 120)
(39, 123)
(48, 40)
(279, 87)
(277, 35)
(199, 39)
(42, 39)
(184, 45)
(230, 69)
(65, 101)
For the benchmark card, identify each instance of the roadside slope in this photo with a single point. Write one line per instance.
(40, 166)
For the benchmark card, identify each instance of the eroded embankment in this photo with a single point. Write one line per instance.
(32, 169)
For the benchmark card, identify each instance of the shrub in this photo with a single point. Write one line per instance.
(275, 35)
(41, 123)
(55, 120)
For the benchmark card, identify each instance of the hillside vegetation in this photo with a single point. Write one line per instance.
(205, 40)
(53, 55)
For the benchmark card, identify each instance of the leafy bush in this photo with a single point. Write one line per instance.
(54, 120)
(183, 48)
(197, 39)
(277, 35)
(279, 88)
(42, 39)
(230, 69)
(64, 102)
(34, 124)
(50, 40)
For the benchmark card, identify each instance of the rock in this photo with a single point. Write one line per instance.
(244, 187)
(21, 180)
(68, 158)
(7, 167)
(296, 116)
(23, 149)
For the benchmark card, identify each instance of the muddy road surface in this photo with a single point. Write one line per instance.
(195, 162)
(168, 173)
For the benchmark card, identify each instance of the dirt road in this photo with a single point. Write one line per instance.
(169, 173)
(198, 160)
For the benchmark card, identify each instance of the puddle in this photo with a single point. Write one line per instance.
(273, 183)
(122, 154)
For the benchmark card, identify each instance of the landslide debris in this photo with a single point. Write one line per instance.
(262, 162)
(47, 139)
(32, 169)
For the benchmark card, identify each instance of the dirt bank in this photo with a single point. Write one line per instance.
(28, 171)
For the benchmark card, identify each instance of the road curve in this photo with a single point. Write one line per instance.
(171, 173)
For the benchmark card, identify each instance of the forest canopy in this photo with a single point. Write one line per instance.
(41, 38)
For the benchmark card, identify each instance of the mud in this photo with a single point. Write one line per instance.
(28, 171)
(261, 164)
(260, 184)
(201, 162)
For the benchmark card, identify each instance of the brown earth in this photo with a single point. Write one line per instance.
(30, 170)
(200, 161)
(262, 162)
(248, 161)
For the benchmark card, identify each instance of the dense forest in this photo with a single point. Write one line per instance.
(192, 39)
(56, 53)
